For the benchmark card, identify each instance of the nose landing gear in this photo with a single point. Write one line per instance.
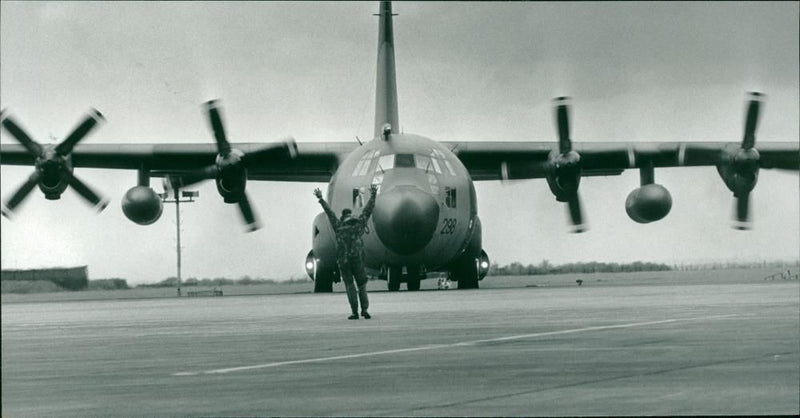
(410, 275)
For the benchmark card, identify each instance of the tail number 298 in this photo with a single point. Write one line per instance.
(448, 225)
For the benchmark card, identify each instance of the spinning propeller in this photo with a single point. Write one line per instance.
(746, 162)
(739, 168)
(565, 168)
(230, 167)
(53, 164)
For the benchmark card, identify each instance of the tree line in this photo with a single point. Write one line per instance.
(545, 267)
(218, 281)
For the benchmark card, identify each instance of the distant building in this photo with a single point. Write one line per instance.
(70, 278)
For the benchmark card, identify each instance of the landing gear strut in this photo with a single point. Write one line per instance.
(412, 277)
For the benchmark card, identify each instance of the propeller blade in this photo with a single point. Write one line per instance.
(562, 124)
(742, 221)
(89, 122)
(751, 120)
(21, 194)
(273, 151)
(576, 214)
(213, 108)
(19, 134)
(250, 219)
(98, 202)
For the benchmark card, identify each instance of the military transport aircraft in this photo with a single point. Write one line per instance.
(425, 218)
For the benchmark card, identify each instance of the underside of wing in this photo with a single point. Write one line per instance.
(488, 160)
(310, 162)
(563, 164)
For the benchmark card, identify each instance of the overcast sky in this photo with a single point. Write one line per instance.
(663, 71)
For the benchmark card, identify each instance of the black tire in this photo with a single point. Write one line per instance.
(393, 279)
(413, 278)
(413, 284)
(324, 282)
(468, 283)
(467, 275)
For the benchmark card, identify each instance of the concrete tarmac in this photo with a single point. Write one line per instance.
(632, 349)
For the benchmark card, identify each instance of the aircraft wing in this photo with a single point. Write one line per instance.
(491, 160)
(309, 162)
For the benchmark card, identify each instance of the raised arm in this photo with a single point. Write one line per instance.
(365, 214)
(328, 211)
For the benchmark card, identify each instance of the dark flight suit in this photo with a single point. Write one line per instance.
(350, 252)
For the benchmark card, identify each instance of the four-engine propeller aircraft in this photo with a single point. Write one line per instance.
(425, 218)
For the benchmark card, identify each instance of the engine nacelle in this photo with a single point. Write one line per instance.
(231, 190)
(142, 205)
(232, 178)
(52, 187)
(565, 176)
(54, 170)
(741, 173)
(648, 203)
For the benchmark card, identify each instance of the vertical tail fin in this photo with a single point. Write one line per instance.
(386, 87)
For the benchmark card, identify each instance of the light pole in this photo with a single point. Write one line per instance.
(189, 197)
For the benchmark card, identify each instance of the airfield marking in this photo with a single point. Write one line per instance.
(451, 345)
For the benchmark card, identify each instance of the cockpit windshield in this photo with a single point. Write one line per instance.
(434, 162)
(404, 160)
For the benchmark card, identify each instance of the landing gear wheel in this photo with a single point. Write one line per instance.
(393, 278)
(324, 282)
(413, 278)
(467, 275)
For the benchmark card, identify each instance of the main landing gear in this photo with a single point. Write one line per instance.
(466, 274)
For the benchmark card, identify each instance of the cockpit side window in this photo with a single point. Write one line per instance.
(438, 158)
(436, 166)
(386, 162)
(434, 182)
(449, 167)
(450, 197)
(362, 168)
(423, 162)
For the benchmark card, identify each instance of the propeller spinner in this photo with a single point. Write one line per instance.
(53, 171)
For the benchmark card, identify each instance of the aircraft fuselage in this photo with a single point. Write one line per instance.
(425, 212)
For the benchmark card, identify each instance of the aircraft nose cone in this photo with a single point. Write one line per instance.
(405, 219)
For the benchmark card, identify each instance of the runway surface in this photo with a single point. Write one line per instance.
(633, 349)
